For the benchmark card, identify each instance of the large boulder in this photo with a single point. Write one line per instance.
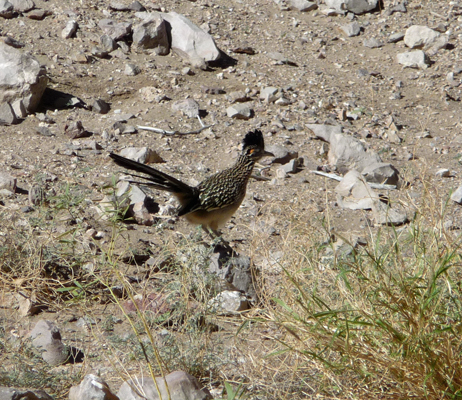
(22, 79)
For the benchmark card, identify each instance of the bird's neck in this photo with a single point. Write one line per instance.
(245, 163)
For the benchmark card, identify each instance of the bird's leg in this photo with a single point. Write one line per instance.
(218, 240)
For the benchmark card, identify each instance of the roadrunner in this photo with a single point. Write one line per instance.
(214, 201)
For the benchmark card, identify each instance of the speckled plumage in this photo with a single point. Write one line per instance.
(214, 200)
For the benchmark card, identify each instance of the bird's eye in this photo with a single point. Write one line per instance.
(251, 151)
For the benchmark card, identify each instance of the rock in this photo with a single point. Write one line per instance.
(302, 5)
(101, 107)
(268, 94)
(413, 59)
(372, 43)
(456, 196)
(76, 130)
(345, 152)
(142, 155)
(21, 78)
(152, 34)
(7, 115)
(385, 215)
(354, 193)
(39, 14)
(280, 59)
(189, 41)
(419, 36)
(443, 173)
(188, 107)
(181, 386)
(6, 9)
(234, 270)
(115, 30)
(99, 52)
(69, 30)
(281, 154)
(239, 111)
(12, 42)
(395, 37)
(229, 302)
(92, 387)
(22, 6)
(132, 70)
(107, 43)
(47, 339)
(292, 166)
(354, 6)
(238, 96)
(7, 182)
(380, 172)
(352, 29)
(23, 394)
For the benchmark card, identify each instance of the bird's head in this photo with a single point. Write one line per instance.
(253, 146)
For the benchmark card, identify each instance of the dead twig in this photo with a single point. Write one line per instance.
(171, 133)
(379, 186)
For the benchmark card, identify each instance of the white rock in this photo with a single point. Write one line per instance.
(354, 6)
(92, 387)
(239, 111)
(413, 59)
(419, 36)
(21, 78)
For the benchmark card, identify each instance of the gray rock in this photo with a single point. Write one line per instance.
(380, 172)
(115, 30)
(21, 78)
(92, 387)
(372, 43)
(352, 29)
(22, 394)
(107, 43)
(235, 271)
(292, 166)
(281, 154)
(229, 302)
(395, 37)
(239, 111)
(385, 215)
(76, 130)
(354, 6)
(269, 94)
(101, 107)
(47, 339)
(22, 6)
(38, 14)
(354, 193)
(456, 196)
(188, 107)
(302, 5)
(7, 182)
(419, 36)
(413, 59)
(99, 52)
(7, 115)
(132, 70)
(152, 34)
(189, 41)
(69, 30)
(141, 154)
(19, 109)
(237, 96)
(181, 386)
(6, 9)
(443, 173)
(345, 152)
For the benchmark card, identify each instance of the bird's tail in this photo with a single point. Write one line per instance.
(156, 179)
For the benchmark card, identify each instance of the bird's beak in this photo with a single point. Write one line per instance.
(268, 154)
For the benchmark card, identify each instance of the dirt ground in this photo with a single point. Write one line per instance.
(324, 79)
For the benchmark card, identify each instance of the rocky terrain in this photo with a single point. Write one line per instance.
(360, 90)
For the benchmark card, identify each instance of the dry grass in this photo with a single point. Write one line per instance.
(381, 321)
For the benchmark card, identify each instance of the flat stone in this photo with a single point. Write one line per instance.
(456, 196)
(239, 111)
(69, 30)
(413, 59)
(7, 115)
(188, 107)
(352, 29)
